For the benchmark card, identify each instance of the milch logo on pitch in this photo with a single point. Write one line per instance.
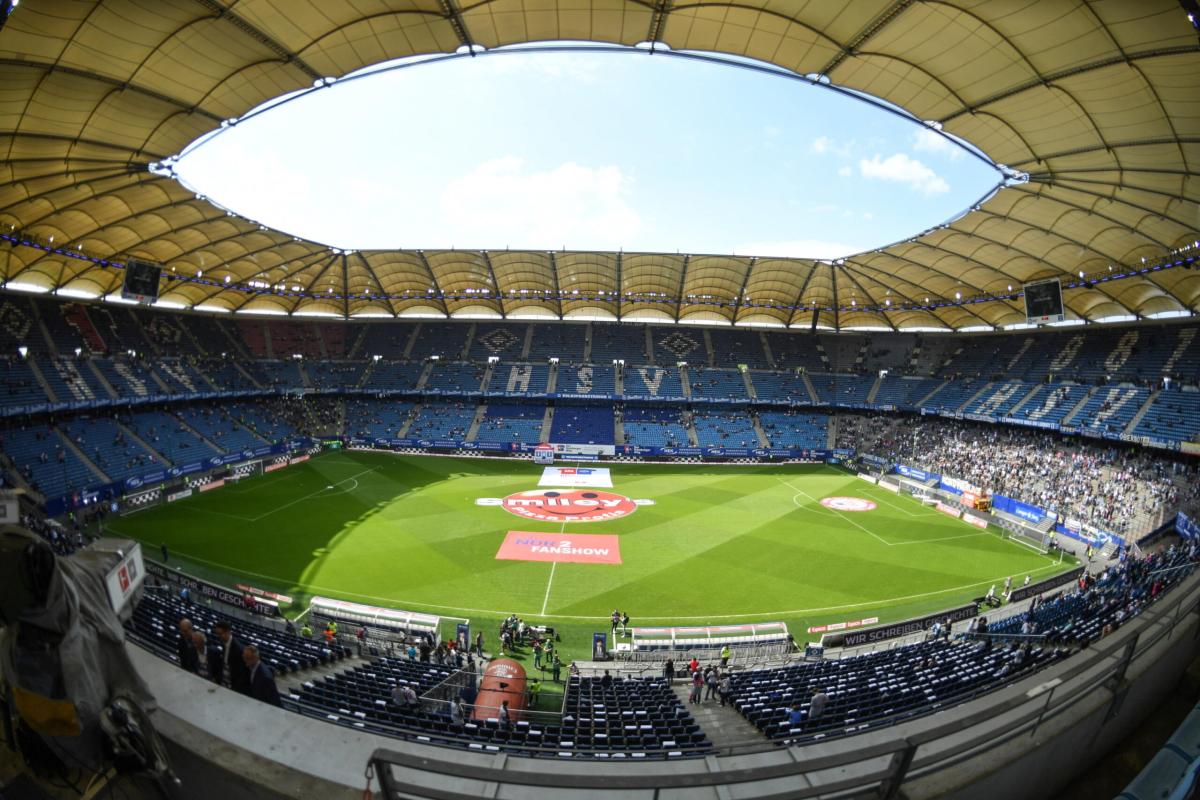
(566, 505)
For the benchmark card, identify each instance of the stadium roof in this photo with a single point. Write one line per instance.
(1096, 102)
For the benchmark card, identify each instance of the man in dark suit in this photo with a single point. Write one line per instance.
(262, 679)
(233, 665)
(184, 647)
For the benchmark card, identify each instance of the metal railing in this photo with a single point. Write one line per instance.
(840, 767)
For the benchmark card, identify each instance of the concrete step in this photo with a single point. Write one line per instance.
(723, 725)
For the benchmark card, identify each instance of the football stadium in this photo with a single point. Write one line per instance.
(286, 518)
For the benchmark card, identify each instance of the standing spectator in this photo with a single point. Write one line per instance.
(234, 669)
(625, 624)
(557, 669)
(261, 678)
(816, 705)
(726, 689)
(712, 680)
(165, 553)
(669, 670)
(184, 646)
(725, 653)
(697, 685)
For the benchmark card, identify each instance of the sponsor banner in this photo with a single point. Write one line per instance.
(299, 459)
(848, 503)
(727, 452)
(594, 477)
(1187, 527)
(208, 487)
(897, 629)
(1191, 448)
(599, 646)
(958, 486)
(1031, 514)
(571, 505)
(945, 509)
(278, 598)
(267, 608)
(579, 548)
(1024, 592)
(868, 478)
(173, 496)
(916, 474)
(874, 460)
(275, 466)
(841, 626)
(578, 457)
(978, 522)
(891, 487)
(570, 449)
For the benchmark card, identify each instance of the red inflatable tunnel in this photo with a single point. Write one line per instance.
(504, 679)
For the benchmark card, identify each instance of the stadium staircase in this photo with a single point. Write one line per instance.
(247, 375)
(547, 423)
(366, 374)
(618, 381)
(94, 370)
(129, 432)
(689, 426)
(971, 400)
(936, 389)
(480, 413)
(831, 432)
(766, 346)
(185, 426)
(874, 389)
(82, 456)
(551, 375)
(355, 351)
(421, 381)
(619, 429)
(763, 440)
(685, 382)
(41, 379)
(751, 392)
(486, 381)
(726, 728)
(1141, 412)
(808, 387)
(1083, 401)
(304, 379)
(1033, 390)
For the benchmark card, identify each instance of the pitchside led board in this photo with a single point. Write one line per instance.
(1043, 302)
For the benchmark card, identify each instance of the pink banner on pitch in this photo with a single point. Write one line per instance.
(582, 548)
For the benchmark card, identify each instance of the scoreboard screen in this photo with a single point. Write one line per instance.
(141, 281)
(1043, 302)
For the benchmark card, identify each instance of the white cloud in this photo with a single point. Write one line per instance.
(845, 172)
(821, 144)
(824, 145)
(502, 202)
(901, 168)
(930, 141)
(800, 248)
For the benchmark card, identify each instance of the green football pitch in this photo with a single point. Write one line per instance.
(718, 545)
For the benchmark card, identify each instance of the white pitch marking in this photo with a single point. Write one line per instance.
(843, 516)
(310, 496)
(549, 583)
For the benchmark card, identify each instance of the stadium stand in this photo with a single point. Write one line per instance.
(717, 383)
(103, 441)
(519, 378)
(512, 422)
(734, 348)
(155, 624)
(376, 418)
(654, 426)
(447, 420)
(394, 375)
(45, 461)
(454, 377)
(795, 429)
(169, 439)
(19, 382)
(565, 342)
(650, 381)
(732, 428)
(215, 424)
(582, 425)
(588, 380)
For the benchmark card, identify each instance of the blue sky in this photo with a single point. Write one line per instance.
(587, 151)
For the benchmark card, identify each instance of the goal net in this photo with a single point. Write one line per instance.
(250, 469)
